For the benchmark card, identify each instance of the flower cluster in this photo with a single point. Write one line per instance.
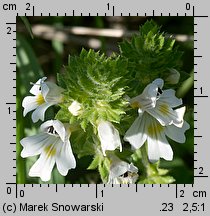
(101, 114)
(53, 143)
(45, 94)
(54, 146)
(157, 118)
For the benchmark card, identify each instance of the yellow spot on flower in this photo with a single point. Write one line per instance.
(135, 104)
(154, 129)
(40, 99)
(50, 150)
(164, 109)
(125, 181)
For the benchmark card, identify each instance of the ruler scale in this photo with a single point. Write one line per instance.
(104, 199)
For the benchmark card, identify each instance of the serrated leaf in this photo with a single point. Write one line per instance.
(64, 115)
(149, 55)
(98, 83)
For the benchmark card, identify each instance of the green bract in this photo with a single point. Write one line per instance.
(150, 55)
(98, 83)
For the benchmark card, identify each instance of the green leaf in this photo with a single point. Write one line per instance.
(57, 177)
(83, 143)
(150, 172)
(21, 163)
(150, 55)
(64, 115)
(27, 64)
(98, 83)
(95, 163)
(103, 169)
(157, 180)
(27, 25)
(28, 70)
(162, 171)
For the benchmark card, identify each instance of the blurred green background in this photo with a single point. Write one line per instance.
(46, 52)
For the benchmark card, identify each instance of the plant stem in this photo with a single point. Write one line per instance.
(150, 169)
(20, 163)
(186, 86)
(144, 157)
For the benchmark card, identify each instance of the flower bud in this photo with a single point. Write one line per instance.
(173, 77)
(75, 108)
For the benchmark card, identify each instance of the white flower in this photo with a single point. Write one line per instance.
(109, 137)
(147, 128)
(45, 94)
(158, 103)
(53, 145)
(122, 172)
(75, 108)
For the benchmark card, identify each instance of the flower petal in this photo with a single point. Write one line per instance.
(132, 168)
(180, 113)
(51, 92)
(40, 111)
(114, 180)
(33, 145)
(147, 99)
(75, 108)
(121, 167)
(164, 114)
(109, 137)
(43, 167)
(158, 82)
(65, 159)
(118, 168)
(150, 94)
(136, 134)
(44, 126)
(35, 90)
(168, 96)
(44, 90)
(159, 147)
(173, 77)
(29, 103)
(153, 149)
(157, 143)
(165, 149)
(60, 129)
(176, 133)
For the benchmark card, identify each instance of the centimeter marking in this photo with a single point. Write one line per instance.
(56, 187)
(98, 187)
(196, 57)
(11, 27)
(30, 8)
